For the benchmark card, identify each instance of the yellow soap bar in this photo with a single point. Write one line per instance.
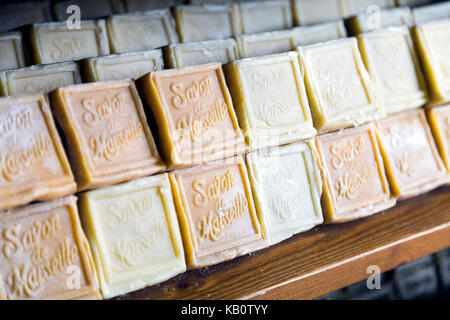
(11, 51)
(134, 234)
(14, 15)
(431, 12)
(308, 12)
(38, 78)
(129, 65)
(439, 120)
(412, 160)
(370, 21)
(89, 9)
(265, 43)
(397, 77)
(321, 32)
(270, 99)
(352, 7)
(216, 213)
(339, 88)
(287, 187)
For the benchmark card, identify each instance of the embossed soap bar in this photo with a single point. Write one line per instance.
(11, 51)
(398, 77)
(433, 43)
(130, 65)
(38, 78)
(106, 131)
(54, 42)
(339, 88)
(89, 9)
(216, 212)
(182, 55)
(15, 15)
(44, 253)
(270, 100)
(287, 187)
(33, 165)
(141, 30)
(308, 12)
(412, 160)
(439, 120)
(265, 43)
(322, 32)
(431, 12)
(368, 21)
(134, 234)
(194, 114)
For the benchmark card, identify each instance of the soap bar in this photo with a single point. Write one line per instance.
(106, 131)
(354, 180)
(207, 22)
(145, 5)
(433, 43)
(38, 78)
(398, 77)
(287, 187)
(134, 234)
(130, 65)
(11, 51)
(141, 30)
(182, 55)
(339, 88)
(89, 9)
(265, 43)
(270, 100)
(322, 32)
(439, 120)
(370, 21)
(308, 12)
(45, 254)
(413, 164)
(216, 213)
(352, 7)
(33, 165)
(431, 12)
(15, 15)
(194, 114)
(54, 42)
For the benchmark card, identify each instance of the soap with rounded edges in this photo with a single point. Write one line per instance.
(265, 43)
(11, 51)
(439, 120)
(308, 12)
(321, 32)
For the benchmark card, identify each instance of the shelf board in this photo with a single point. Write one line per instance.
(321, 260)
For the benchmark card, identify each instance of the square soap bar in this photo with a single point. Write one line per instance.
(261, 44)
(106, 131)
(322, 32)
(11, 51)
(216, 212)
(431, 12)
(130, 65)
(15, 15)
(270, 100)
(287, 187)
(194, 114)
(368, 21)
(439, 120)
(398, 77)
(355, 183)
(134, 234)
(433, 43)
(38, 78)
(413, 164)
(33, 164)
(45, 254)
(182, 55)
(308, 12)
(139, 31)
(352, 7)
(89, 9)
(339, 88)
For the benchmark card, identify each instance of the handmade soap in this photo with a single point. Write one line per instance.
(397, 77)
(15, 15)
(106, 131)
(194, 114)
(370, 21)
(207, 22)
(354, 180)
(182, 55)
(439, 120)
(89, 9)
(270, 100)
(134, 234)
(433, 43)
(44, 253)
(308, 12)
(38, 78)
(413, 164)
(130, 65)
(145, 5)
(287, 187)
(33, 165)
(261, 44)
(216, 213)
(431, 12)
(339, 88)
(141, 30)
(11, 51)
(322, 32)
(352, 7)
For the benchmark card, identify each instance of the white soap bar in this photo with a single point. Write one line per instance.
(307, 35)
(261, 44)
(11, 51)
(431, 12)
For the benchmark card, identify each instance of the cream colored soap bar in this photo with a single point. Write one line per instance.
(261, 44)
(439, 119)
(431, 12)
(134, 234)
(141, 30)
(322, 32)
(11, 51)
(89, 9)
(54, 42)
(398, 77)
(287, 187)
(308, 12)
(340, 91)
(130, 65)
(369, 21)
(270, 100)
(15, 15)
(38, 78)
(352, 7)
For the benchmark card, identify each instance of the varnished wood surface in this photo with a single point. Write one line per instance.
(322, 260)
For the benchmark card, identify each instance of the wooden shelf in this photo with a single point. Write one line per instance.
(322, 260)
